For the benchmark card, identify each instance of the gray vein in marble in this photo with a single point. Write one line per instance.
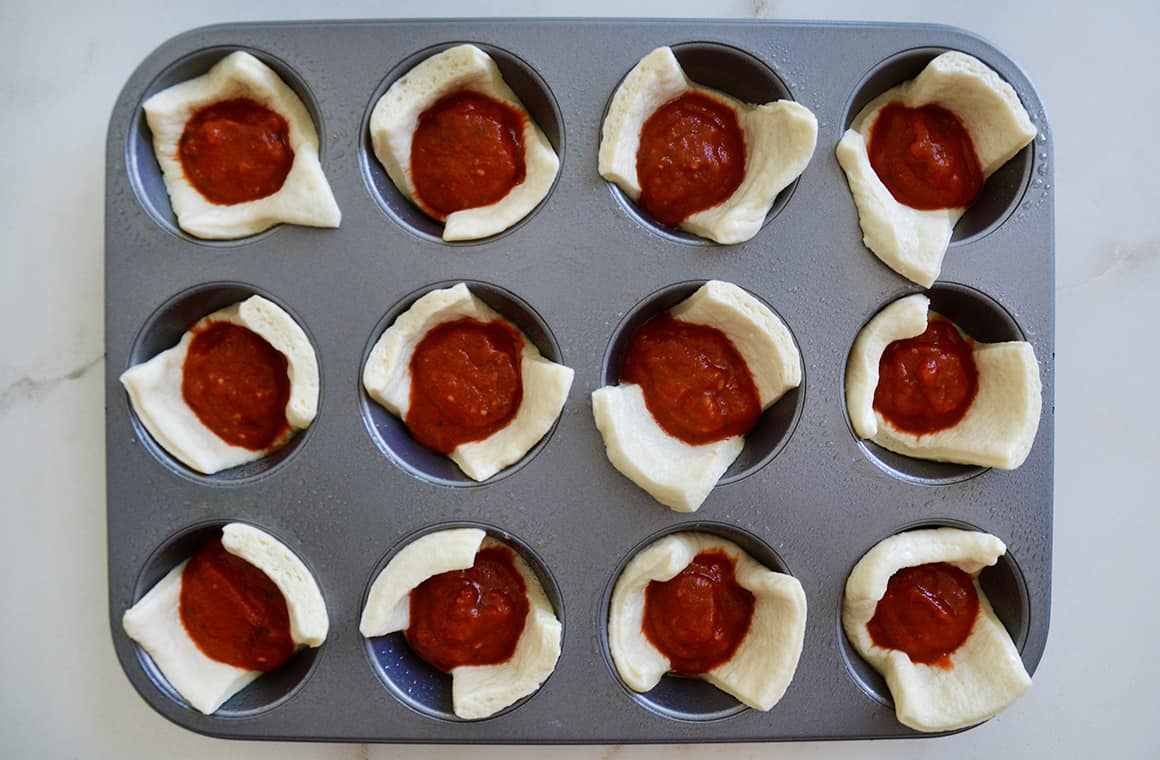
(762, 8)
(29, 388)
(1122, 257)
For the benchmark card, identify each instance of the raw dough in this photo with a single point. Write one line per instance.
(779, 141)
(304, 198)
(155, 624)
(677, 474)
(999, 426)
(393, 122)
(910, 241)
(763, 665)
(155, 388)
(987, 674)
(387, 378)
(477, 691)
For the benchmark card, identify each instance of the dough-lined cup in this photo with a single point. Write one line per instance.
(469, 693)
(215, 226)
(527, 86)
(261, 693)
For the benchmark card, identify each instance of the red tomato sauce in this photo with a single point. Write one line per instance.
(691, 157)
(928, 382)
(237, 385)
(695, 383)
(699, 618)
(925, 157)
(235, 151)
(467, 151)
(233, 611)
(928, 611)
(465, 382)
(470, 617)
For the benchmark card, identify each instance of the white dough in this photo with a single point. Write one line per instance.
(155, 623)
(910, 241)
(477, 691)
(987, 674)
(387, 378)
(760, 670)
(779, 141)
(388, 602)
(998, 428)
(309, 622)
(677, 474)
(155, 392)
(761, 338)
(396, 116)
(304, 198)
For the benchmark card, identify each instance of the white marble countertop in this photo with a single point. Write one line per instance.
(62, 64)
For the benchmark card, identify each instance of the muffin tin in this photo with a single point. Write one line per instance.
(576, 275)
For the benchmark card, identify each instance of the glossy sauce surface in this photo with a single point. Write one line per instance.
(236, 151)
(465, 382)
(928, 611)
(695, 383)
(237, 384)
(925, 157)
(470, 617)
(928, 382)
(698, 618)
(691, 157)
(467, 151)
(233, 611)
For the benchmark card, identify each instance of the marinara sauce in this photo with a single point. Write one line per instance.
(925, 157)
(928, 382)
(467, 151)
(235, 151)
(928, 611)
(699, 617)
(691, 157)
(465, 382)
(470, 617)
(695, 383)
(237, 385)
(233, 611)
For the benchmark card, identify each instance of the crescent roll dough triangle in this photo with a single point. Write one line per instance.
(987, 674)
(155, 388)
(387, 378)
(910, 241)
(760, 670)
(779, 142)
(998, 428)
(677, 474)
(477, 691)
(155, 623)
(305, 196)
(396, 115)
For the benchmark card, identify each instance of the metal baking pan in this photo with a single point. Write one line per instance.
(805, 496)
